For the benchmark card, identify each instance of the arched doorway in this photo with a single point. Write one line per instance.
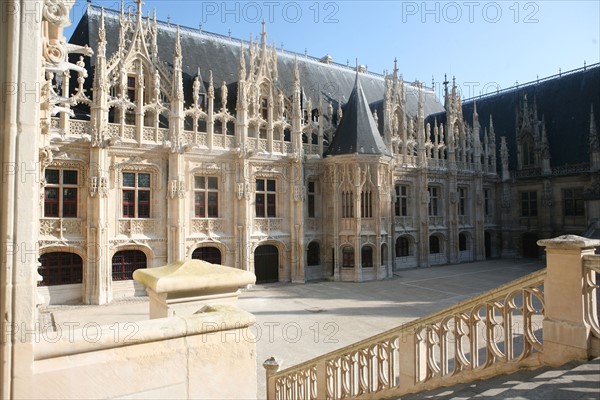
(313, 256)
(209, 254)
(266, 263)
(529, 245)
(434, 245)
(402, 247)
(488, 245)
(462, 242)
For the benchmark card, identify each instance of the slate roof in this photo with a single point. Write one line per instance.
(564, 101)
(220, 54)
(357, 132)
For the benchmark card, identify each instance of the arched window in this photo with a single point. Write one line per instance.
(434, 244)
(384, 254)
(60, 268)
(208, 254)
(313, 256)
(366, 256)
(462, 242)
(402, 247)
(348, 257)
(125, 262)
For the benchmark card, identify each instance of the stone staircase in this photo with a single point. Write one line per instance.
(574, 380)
(501, 343)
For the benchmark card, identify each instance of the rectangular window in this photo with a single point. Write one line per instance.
(462, 201)
(487, 201)
(206, 197)
(136, 195)
(129, 114)
(264, 108)
(60, 193)
(529, 204)
(348, 257)
(433, 200)
(347, 204)
(573, 202)
(265, 200)
(366, 204)
(131, 88)
(311, 199)
(401, 204)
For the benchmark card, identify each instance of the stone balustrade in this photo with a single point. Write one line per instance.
(546, 318)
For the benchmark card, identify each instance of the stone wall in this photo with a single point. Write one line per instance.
(208, 355)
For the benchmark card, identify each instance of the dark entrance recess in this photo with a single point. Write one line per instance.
(266, 264)
(208, 254)
(488, 245)
(529, 245)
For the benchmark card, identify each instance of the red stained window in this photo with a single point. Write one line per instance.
(60, 193)
(60, 268)
(125, 262)
(136, 195)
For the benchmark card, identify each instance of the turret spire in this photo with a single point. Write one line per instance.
(139, 9)
(242, 71)
(102, 30)
(177, 52)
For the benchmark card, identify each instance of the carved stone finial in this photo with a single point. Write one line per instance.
(177, 44)
(211, 87)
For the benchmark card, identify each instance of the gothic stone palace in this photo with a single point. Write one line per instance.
(186, 144)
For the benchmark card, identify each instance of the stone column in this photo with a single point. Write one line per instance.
(271, 366)
(565, 332)
(412, 364)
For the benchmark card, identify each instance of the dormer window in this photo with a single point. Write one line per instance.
(528, 152)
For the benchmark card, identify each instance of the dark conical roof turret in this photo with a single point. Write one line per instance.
(357, 132)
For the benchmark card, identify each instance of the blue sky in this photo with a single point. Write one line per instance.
(485, 44)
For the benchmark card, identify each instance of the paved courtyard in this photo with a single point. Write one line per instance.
(295, 322)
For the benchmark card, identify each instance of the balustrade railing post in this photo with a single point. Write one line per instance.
(322, 379)
(271, 366)
(566, 334)
(412, 363)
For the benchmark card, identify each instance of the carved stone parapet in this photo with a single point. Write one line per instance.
(136, 226)
(207, 226)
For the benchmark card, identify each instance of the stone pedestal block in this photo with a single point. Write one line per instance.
(566, 334)
(183, 287)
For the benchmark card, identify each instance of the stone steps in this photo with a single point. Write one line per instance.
(574, 380)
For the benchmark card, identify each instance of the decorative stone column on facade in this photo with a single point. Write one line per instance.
(566, 334)
(183, 287)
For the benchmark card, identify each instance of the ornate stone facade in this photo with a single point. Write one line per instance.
(241, 171)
